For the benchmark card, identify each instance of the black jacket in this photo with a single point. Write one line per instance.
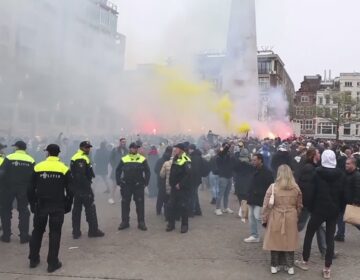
(305, 179)
(51, 184)
(352, 190)
(101, 160)
(17, 170)
(196, 165)
(180, 173)
(243, 174)
(279, 158)
(82, 172)
(260, 182)
(133, 170)
(224, 163)
(328, 200)
(213, 166)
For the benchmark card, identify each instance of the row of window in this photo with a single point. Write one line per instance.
(326, 127)
(307, 111)
(350, 84)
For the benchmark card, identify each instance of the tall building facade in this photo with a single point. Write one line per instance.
(272, 76)
(60, 62)
(333, 117)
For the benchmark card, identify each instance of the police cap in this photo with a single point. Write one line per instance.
(85, 144)
(180, 146)
(21, 145)
(134, 146)
(53, 149)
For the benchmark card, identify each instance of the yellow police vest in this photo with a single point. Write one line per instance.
(51, 164)
(21, 156)
(182, 160)
(130, 158)
(1, 159)
(81, 155)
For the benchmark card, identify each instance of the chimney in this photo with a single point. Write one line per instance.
(324, 75)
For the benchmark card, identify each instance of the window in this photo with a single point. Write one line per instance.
(358, 84)
(321, 100)
(358, 97)
(327, 99)
(264, 83)
(357, 130)
(347, 129)
(348, 84)
(327, 112)
(309, 124)
(264, 67)
(326, 128)
(299, 111)
(309, 111)
(304, 98)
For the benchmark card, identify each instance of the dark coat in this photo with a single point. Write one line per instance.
(243, 174)
(352, 191)
(260, 183)
(305, 179)
(328, 200)
(279, 158)
(196, 166)
(224, 164)
(213, 166)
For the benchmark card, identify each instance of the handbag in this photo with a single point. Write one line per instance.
(272, 197)
(352, 215)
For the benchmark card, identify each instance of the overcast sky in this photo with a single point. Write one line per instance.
(309, 35)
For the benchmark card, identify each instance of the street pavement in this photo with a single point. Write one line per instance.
(212, 249)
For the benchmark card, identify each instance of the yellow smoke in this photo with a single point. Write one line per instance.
(197, 98)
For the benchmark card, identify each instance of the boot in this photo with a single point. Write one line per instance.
(97, 233)
(170, 227)
(123, 225)
(142, 226)
(52, 267)
(34, 263)
(184, 228)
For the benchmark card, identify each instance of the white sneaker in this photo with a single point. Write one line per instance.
(252, 239)
(111, 201)
(291, 271)
(244, 220)
(240, 213)
(218, 212)
(228, 210)
(275, 269)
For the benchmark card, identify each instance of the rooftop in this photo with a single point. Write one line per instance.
(108, 5)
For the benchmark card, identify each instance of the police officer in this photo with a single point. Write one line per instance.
(49, 197)
(133, 175)
(180, 182)
(83, 174)
(2, 157)
(17, 175)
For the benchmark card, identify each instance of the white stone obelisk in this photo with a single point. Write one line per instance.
(240, 71)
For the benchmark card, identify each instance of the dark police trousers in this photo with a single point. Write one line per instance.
(56, 220)
(179, 204)
(136, 192)
(86, 199)
(7, 200)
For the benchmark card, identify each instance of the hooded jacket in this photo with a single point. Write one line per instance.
(328, 200)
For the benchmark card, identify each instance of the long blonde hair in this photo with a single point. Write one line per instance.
(285, 179)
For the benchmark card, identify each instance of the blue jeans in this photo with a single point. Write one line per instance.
(255, 220)
(224, 191)
(214, 183)
(341, 226)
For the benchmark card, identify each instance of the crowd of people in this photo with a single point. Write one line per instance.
(283, 187)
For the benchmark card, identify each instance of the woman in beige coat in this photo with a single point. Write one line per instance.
(281, 218)
(165, 174)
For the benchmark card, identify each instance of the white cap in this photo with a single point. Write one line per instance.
(328, 159)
